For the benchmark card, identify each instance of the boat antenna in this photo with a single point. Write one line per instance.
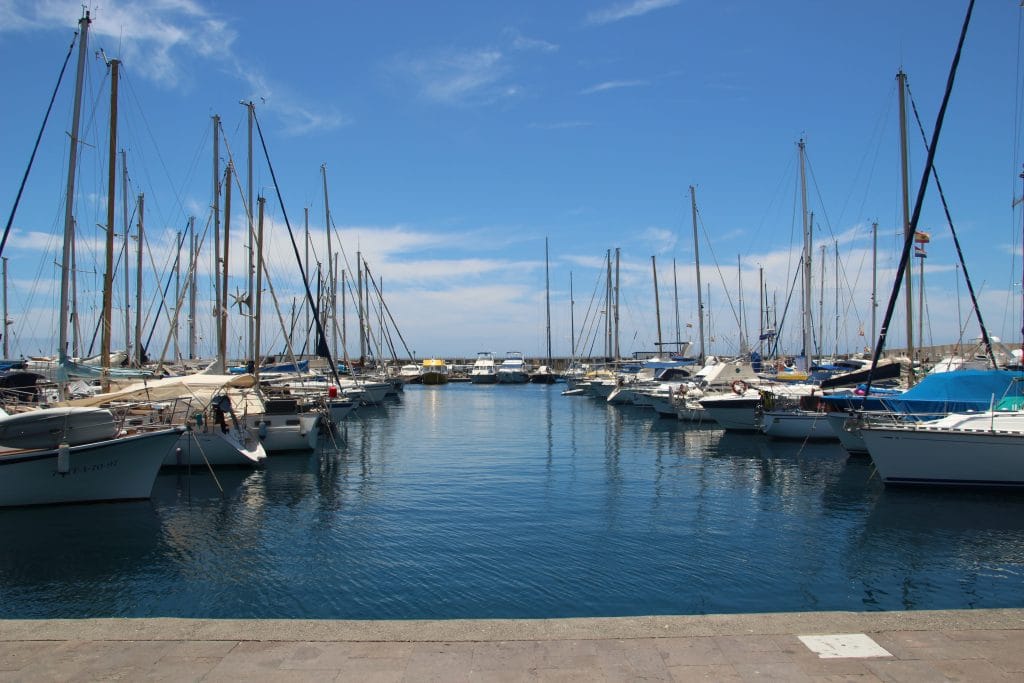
(908, 241)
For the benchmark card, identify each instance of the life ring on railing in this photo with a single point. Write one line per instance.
(739, 387)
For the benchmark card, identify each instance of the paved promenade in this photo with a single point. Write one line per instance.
(962, 645)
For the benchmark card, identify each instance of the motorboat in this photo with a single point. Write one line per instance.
(514, 369)
(484, 371)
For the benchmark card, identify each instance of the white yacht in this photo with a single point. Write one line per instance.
(484, 370)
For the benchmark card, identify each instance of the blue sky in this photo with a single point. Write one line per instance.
(458, 136)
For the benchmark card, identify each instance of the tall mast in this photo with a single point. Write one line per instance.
(807, 341)
(874, 283)
(251, 348)
(547, 297)
(69, 218)
(305, 211)
(177, 297)
(608, 307)
(359, 306)
(821, 305)
(657, 302)
(139, 351)
(744, 336)
(332, 295)
(675, 298)
(258, 306)
(901, 81)
(618, 259)
(223, 304)
(106, 324)
(572, 320)
(216, 241)
(7, 346)
(836, 347)
(127, 250)
(192, 258)
(696, 261)
(760, 311)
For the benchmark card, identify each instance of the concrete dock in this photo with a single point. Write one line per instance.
(956, 645)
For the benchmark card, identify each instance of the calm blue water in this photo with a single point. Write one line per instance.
(515, 501)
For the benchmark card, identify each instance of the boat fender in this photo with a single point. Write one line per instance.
(739, 387)
(63, 458)
(261, 428)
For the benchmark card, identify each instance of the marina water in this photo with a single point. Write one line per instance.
(470, 501)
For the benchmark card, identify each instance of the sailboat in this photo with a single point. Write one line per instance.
(61, 455)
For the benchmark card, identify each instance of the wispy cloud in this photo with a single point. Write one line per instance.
(626, 10)
(521, 42)
(562, 125)
(613, 85)
(458, 76)
(158, 38)
(662, 241)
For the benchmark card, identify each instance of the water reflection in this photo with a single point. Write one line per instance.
(514, 501)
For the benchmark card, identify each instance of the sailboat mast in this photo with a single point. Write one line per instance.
(127, 244)
(572, 319)
(608, 307)
(7, 346)
(618, 259)
(108, 272)
(192, 256)
(657, 303)
(547, 297)
(258, 305)
(138, 285)
(675, 300)
(807, 341)
(821, 304)
(251, 348)
(331, 316)
(696, 261)
(305, 211)
(901, 80)
(222, 365)
(223, 304)
(69, 218)
(874, 283)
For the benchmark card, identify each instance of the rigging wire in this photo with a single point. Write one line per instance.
(35, 147)
(956, 240)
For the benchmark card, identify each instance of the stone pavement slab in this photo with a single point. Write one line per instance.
(954, 645)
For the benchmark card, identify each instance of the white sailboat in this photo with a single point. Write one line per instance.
(61, 455)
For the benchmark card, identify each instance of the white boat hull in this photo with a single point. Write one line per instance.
(197, 448)
(847, 431)
(916, 455)
(287, 432)
(115, 469)
(737, 414)
(797, 424)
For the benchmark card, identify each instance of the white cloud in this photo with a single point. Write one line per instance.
(627, 10)
(156, 37)
(662, 241)
(453, 76)
(521, 42)
(612, 85)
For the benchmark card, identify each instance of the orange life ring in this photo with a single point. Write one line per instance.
(739, 387)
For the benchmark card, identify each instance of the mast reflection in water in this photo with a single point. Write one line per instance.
(480, 501)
